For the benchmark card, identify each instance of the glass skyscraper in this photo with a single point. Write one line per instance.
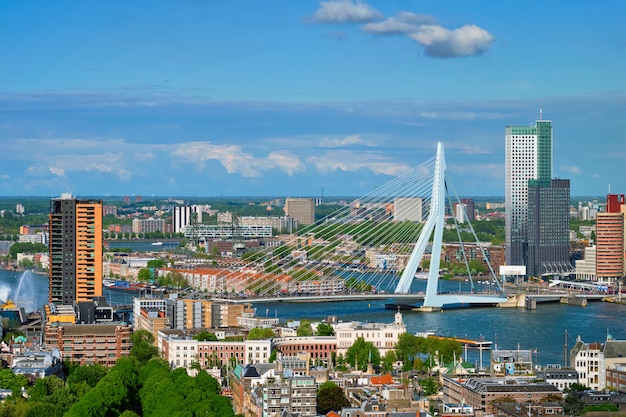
(529, 165)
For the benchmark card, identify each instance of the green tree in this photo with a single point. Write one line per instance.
(258, 333)
(325, 329)
(143, 346)
(156, 263)
(429, 386)
(388, 360)
(144, 275)
(206, 336)
(572, 405)
(330, 397)
(90, 374)
(304, 329)
(360, 353)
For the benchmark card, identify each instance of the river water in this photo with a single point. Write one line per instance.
(542, 329)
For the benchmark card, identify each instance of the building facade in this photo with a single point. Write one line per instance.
(548, 227)
(528, 157)
(301, 209)
(405, 208)
(89, 344)
(610, 246)
(75, 236)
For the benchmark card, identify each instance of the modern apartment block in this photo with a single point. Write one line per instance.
(301, 209)
(610, 246)
(75, 236)
(184, 216)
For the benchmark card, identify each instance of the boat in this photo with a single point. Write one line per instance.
(421, 275)
(608, 299)
(157, 243)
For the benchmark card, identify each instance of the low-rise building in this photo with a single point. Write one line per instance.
(88, 344)
(383, 335)
(482, 393)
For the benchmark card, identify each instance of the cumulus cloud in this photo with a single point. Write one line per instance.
(354, 161)
(406, 22)
(289, 163)
(235, 161)
(439, 42)
(571, 169)
(341, 11)
(107, 162)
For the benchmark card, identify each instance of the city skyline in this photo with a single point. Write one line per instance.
(206, 98)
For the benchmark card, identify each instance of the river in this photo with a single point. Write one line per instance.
(542, 329)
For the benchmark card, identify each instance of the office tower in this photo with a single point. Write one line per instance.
(75, 236)
(408, 208)
(528, 157)
(548, 227)
(301, 209)
(184, 215)
(610, 240)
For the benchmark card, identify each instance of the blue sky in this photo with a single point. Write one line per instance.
(284, 98)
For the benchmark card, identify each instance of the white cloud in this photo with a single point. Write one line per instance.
(235, 161)
(571, 169)
(354, 161)
(406, 22)
(341, 11)
(336, 143)
(440, 42)
(287, 162)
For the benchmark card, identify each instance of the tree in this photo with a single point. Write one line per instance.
(429, 386)
(144, 275)
(143, 346)
(304, 329)
(359, 354)
(388, 360)
(205, 336)
(325, 329)
(572, 405)
(330, 397)
(258, 333)
(156, 263)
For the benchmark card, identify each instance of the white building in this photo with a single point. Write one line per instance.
(585, 359)
(405, 208)
(586, 268)
(382, 335)
(183, 216)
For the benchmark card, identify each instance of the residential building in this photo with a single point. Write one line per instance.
(301, 209)
(610, 246)
(547, 236)
(296, 395)
(184, 216)
(562, 378)
(585, 359)
(148, 225)
(89, 344)
(408, 208)
(586, 267)
(75, 236)
(528, 157)
(382, 335)
(319, 348)
(479, 393)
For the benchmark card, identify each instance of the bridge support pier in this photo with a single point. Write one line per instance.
(427, 309)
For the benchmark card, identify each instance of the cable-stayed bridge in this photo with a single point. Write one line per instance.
(372, 247)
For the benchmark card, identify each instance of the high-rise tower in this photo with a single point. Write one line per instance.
(75, 228)
(528, 157)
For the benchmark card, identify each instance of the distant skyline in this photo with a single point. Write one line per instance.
(286, 98)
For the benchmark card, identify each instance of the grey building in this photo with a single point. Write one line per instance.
(548, 227)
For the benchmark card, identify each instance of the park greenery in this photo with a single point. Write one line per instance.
(419, 353)
(138, 385)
